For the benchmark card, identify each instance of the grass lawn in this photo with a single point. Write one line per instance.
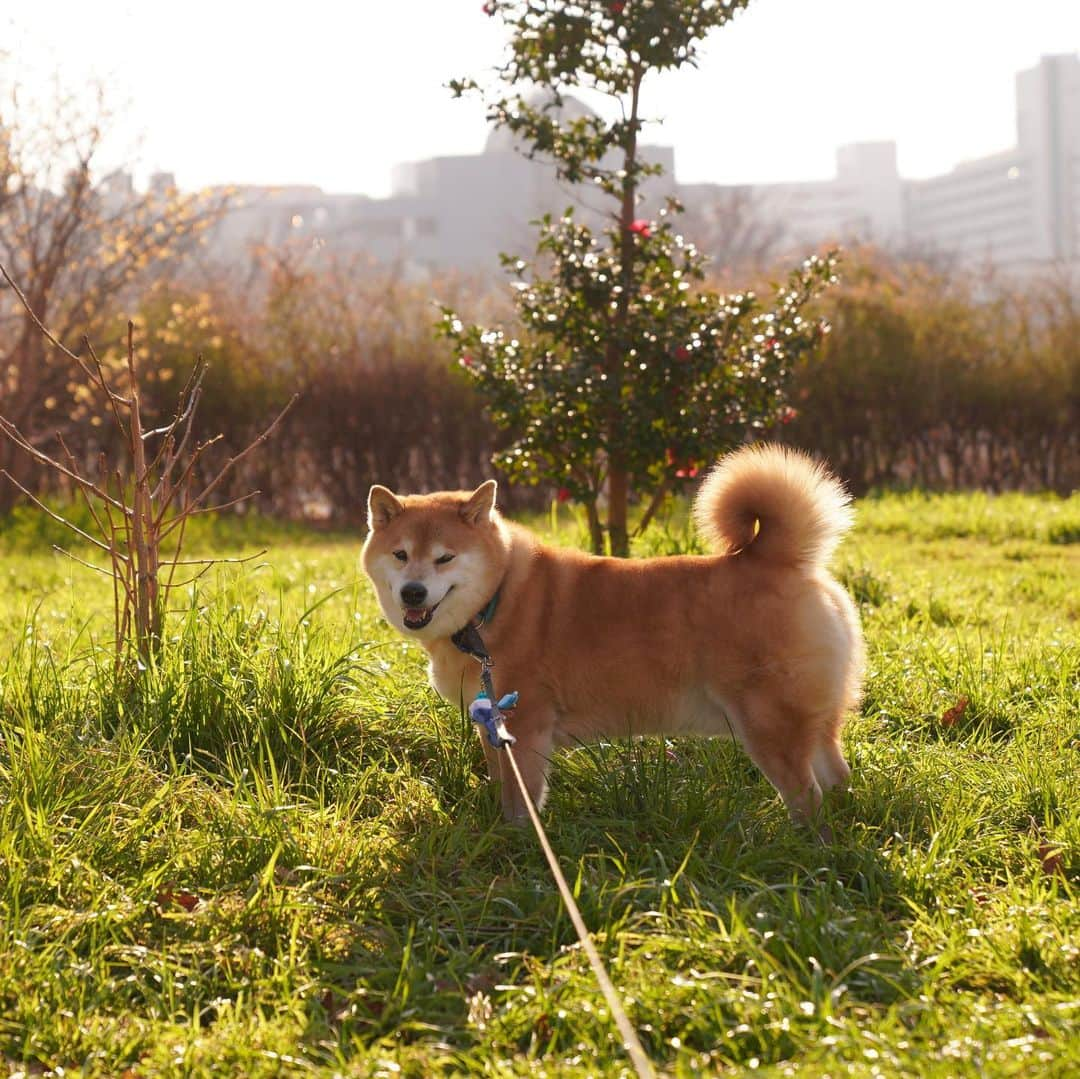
(283, 857)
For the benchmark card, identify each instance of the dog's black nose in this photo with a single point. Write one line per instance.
(413, 594)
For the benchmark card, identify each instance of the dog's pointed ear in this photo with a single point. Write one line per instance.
(382, 507)
(481, 503)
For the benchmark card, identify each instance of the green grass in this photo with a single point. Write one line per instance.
(362, 910)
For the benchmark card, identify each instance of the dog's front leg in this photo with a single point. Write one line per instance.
(532, 752)
(491, 758)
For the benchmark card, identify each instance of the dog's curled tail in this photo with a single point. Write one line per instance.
(774, 503)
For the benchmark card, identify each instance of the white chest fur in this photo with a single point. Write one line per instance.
(454, 675)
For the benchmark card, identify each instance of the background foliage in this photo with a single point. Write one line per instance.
(946, 379)
(932, 378)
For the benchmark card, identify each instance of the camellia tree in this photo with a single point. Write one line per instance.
(627, 374)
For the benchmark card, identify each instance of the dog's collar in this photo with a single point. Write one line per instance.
(487, 709)
(488, 613)
(468, 638)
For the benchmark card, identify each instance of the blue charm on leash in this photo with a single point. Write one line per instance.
(489, 715)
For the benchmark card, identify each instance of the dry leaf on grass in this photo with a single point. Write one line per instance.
(167, 896)
(951, 715)
(1052, 859)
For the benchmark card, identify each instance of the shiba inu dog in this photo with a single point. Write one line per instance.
(756, 642)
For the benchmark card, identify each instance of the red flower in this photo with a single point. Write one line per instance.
(687, 473)
(770, 342)
(563, 494)
(466, 360)
(682, 352)
(787, 414)
(488, 8)
(669, 455)
(641, 227)
(617, 7)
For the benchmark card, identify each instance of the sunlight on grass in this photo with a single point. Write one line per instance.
(282, 858)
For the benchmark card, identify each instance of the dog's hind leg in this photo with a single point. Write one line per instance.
(781, 744)
(830, 768)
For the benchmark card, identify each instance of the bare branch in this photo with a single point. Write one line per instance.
(192, 580)
(233, 461)
(72, 464)
(182, 484)
(217, 561)
(223, 505)
(20, 440)
(183, 410)
(132, 533)
(114, 399)
(179, 546)
(55, 516)
(171, 451)
(83, 562)
(196, 397)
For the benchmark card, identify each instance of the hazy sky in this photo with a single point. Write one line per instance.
(336, 93)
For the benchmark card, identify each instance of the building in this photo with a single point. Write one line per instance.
(864, 202)
(1018, 208)
(1022, 205)
(456, 212)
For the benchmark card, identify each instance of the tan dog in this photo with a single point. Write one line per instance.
(757, 642)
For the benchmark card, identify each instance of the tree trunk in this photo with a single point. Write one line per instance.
(618, 485)
(596, 532)
(618, 480)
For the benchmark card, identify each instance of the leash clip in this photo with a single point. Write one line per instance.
(487, 710)
(486, 713)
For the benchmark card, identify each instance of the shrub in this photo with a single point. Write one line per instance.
(623, 373)
(944, 380)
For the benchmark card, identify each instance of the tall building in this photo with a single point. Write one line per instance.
(1018, 208)
(1022, 205)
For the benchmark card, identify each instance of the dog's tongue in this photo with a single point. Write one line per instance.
(415, 614)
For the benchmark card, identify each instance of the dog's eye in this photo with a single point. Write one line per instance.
(443, 559)
(401, 556)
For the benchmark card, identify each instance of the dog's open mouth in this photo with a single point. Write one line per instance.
(418, 617)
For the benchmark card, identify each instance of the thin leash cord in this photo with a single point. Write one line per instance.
(631, 1042)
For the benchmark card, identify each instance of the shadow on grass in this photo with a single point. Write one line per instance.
(685, 867)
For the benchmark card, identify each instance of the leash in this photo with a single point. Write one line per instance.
(631, 1042)
(487, 712)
